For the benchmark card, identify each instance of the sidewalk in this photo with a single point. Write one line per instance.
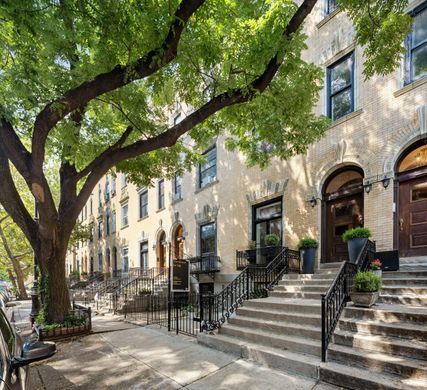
(123, 356)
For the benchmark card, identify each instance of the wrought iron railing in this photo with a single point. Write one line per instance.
(117, 273)
(338, 294)
(204, 264)
(252, 282)
(257, 256)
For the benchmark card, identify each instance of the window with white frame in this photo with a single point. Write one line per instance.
(107, 189)
(161, 194)
(178, 118)
(99, 196)
(207, 170)
(177, 187)
(113, 221)
(100, 229)
(113, 186)
(143, 203)
(125, 259)
(107, 224)
(124, 180)
(143, 254)
(416, 44)
(100, 262)
(125, 211)
(340, 87)
(330, 6)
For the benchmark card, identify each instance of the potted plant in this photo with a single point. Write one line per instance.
(375, 267)
(366, 287)
(355, 239)
(307, 247)
(271, 239)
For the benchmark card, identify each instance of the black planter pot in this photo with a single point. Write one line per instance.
(308, 259)
(355, 245)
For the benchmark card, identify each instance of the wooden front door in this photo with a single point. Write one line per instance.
(341, 214)
(412, 219)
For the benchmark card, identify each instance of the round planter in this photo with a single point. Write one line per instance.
(355, 245)
(378, 272)
(364, 299)
(308, 260)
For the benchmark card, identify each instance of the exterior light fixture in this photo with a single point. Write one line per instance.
(368, 187)
(313, 201)
(386, 181)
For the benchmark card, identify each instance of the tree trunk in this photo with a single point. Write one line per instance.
(12, 279)
(22, 292)
(53, 290)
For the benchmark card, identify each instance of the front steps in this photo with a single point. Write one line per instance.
(282, 331)
(384, 347)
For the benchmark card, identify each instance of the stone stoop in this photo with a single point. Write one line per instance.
(282, 331)
(383, 347)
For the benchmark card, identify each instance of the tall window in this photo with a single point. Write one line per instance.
(100, 265)
(125, 259)
(208, 239)
(90, 206)
(113, 221)
(416, 56)
(177, 118)
(125, 219)
(341, 87)
(207, 170)
(107, 189)
(107, 224)
(143, 254)
(143, 203)
(331, 6)
(99, 196)
(85, 212)
(267, 219)
(177, 186)
(124, 180)
(113, 186)
(100, 229)
(161, 194)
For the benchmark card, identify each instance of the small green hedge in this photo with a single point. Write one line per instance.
(271, 239)
(367, 282)
(307, 243)
(358, 232)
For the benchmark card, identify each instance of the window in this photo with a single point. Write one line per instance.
(125, 259)
(331, 6)
(207, 170)
(124, 180)
(100, 229)
(208, 239)
(125, 210)
(85, 212)
(113, 186)
(92, 232)
(107, 189)
(90, 207)
(113, 222)
(177, 182)
(143, 203)
(177, 119)
(99, 196)
(107, 224)
(416, 56)
(100, 266)
(143, 254)
(161, 194)
(267, 219)
(341, 87)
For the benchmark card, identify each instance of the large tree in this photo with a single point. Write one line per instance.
(89, 83)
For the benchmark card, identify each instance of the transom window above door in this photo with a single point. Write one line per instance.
(267, 219)
(415, 159)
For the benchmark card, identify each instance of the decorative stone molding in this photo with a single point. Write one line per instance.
(208, 213)
(267, 189)
(342, 39)
(422, 118)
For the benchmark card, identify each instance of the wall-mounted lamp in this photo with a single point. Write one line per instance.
(386, 182)
(313, 201)
(368, 188)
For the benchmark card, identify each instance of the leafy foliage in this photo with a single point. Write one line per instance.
(366, 282)
(308, 242)
(359, 232)
(271, 239)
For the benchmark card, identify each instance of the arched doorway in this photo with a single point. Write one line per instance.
(161, 250)
(411, 197)
(178, 242)
(342, 209)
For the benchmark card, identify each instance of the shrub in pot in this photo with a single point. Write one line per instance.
(355, 239)
(366, 287)
(271, 239)
(307, 247)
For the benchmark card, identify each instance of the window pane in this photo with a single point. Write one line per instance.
(207, 238)
(332, 6)
(419, 61)
(341, 75)
(341, 104)
(268, 211)
(208, 169)
(420, 28)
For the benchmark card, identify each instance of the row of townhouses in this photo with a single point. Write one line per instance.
(370, 169)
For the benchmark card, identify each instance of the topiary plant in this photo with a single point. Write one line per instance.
(271, 239)
(359, 232)
(308, 242)
(366, 282)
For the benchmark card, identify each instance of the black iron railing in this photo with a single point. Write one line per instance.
(257, 256)
(204, 264)
(117, 273)
(338, 294)
(253, 282)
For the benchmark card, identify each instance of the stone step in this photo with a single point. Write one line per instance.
(305, 306)
(324, 276)
(392, 345)
(358, 378)
(279, 315)
(387, 313)
(307, 282)
(415, 267)
(406, 299)
(404, 290)
(302, 288)
(299, 295)
(273, 340)
(280, 327)
(336, 265)
(274, 358)
(327, 271)
(404, 330)
(404, 274)
(377, 362)
(404, 282)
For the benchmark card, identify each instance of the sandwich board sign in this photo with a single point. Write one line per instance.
(180, 275)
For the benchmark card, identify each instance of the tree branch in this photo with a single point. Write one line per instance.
(56, 110)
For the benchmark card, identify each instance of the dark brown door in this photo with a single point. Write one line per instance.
(341, 214)
(412, 221)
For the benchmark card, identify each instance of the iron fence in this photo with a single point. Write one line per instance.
(257, 256)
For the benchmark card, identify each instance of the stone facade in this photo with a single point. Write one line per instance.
(387, 118)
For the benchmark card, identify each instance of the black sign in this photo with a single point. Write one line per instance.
(180, 275)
